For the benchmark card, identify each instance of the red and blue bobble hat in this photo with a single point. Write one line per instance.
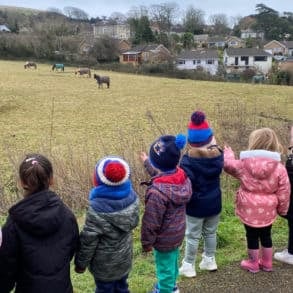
(198, 131)
(111, 171)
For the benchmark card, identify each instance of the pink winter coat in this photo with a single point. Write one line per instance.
(264, 190)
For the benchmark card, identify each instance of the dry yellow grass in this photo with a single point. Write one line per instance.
(40, 107)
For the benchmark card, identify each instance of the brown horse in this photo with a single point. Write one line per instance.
(30, 64)
(102, 79)
(82, 71)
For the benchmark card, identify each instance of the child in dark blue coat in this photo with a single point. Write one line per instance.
(203, 164)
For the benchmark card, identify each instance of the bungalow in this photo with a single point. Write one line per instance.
(279, 48)
(206, 60)
(250, 34)
(4, 28)
(241, 59)
(201, 40)
(234, 42)
(146, 53)
(216, 42)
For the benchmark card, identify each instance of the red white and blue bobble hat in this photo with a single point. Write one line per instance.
(199, 132)
(112, 171)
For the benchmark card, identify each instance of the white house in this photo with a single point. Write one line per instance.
(239, 59)
(4, 28)
(246, 34)
(207, 60)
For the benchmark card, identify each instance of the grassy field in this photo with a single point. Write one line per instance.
(68, 118)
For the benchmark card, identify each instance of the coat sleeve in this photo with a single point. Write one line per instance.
(232, 166)
(88, 241)
(283, 192)
(155, 208)
(149, 168)
(8, 257)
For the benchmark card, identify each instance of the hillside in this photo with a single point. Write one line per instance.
(32, 20)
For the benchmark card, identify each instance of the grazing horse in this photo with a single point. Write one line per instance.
(102, 79)
(29, 64)
(57, 66)
(82, 71)
(258, 78)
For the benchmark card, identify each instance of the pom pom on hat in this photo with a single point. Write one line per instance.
(112, 171)
(199, 133)
(165, 152)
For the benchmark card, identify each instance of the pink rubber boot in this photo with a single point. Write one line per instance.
(251, 264)
(266, 261)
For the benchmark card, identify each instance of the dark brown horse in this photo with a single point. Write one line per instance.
(29, 64)
(102, 79)
(82, 71)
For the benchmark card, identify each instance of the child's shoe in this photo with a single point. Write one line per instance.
(208, 263)
(187, 270)
(251, 264)
(284, 256)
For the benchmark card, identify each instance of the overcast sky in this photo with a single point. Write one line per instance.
(107, 7)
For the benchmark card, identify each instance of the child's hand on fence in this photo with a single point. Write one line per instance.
(143, 156)
(79, 270)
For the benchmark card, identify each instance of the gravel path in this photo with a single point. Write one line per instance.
(232, 279)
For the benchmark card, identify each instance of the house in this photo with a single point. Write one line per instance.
(216, 42)
(234, 42)
(4, 28)
(116, 31)
(250, 34)
(123, 45)
(280, 48)
(146, 54)
(207, 60)
(240, 59)
(201, 40)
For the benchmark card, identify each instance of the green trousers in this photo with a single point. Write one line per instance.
(166, 269)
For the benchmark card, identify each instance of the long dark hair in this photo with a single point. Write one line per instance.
(35, 173)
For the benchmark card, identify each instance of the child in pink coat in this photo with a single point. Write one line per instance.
(264, 193)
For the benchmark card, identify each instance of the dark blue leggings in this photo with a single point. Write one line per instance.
(119, 286)
(254, 235)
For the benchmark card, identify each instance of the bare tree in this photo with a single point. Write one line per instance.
(55, 10)
(118, 17)
(137, 12)
(220, 23)
(193, 20)
(75, 13)
(164, 15)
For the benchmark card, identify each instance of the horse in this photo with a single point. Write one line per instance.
(102, 79)
(57, 66)
(29, 64)
(258, 78)
(82, 71)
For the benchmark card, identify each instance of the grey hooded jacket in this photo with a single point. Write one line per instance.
(106, 238)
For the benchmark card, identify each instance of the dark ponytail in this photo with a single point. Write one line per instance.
(35, 173)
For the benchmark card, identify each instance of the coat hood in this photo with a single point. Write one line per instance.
(121, 213)
(260, 163)
(176, 186)
(205, 161)
(39, 214)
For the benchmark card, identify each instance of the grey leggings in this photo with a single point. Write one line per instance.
(197, 228)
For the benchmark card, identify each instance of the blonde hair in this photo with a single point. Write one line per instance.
(264, 139)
